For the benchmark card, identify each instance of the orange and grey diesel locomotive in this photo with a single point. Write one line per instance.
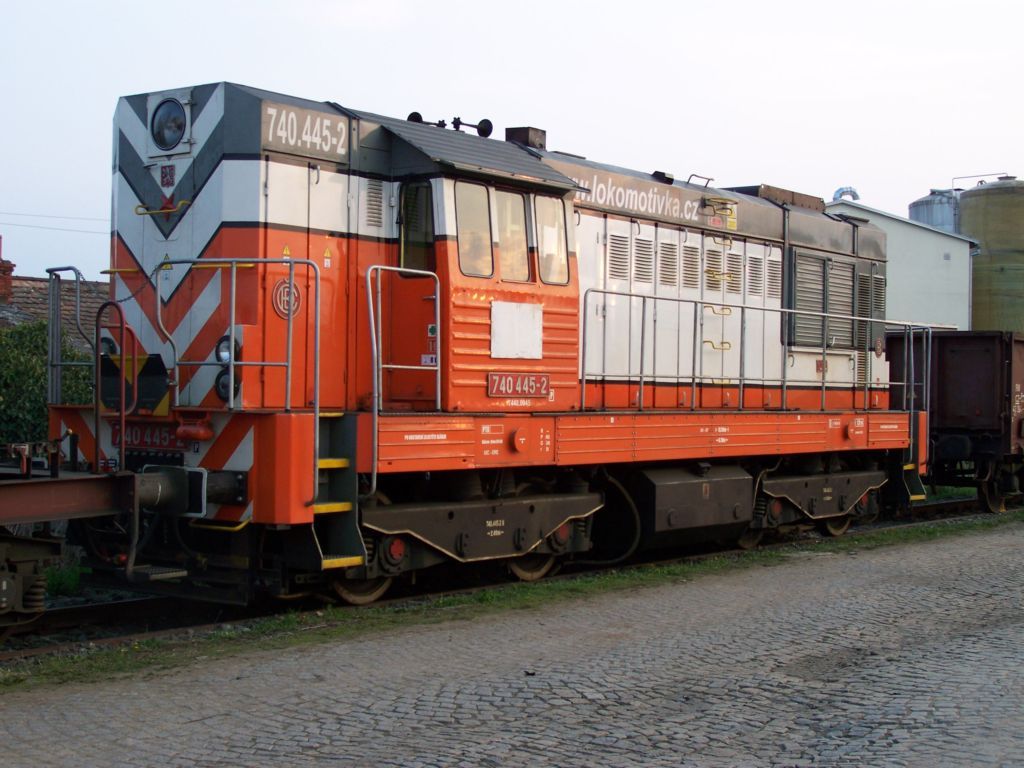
(342, 347)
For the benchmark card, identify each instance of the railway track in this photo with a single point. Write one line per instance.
(74, 629)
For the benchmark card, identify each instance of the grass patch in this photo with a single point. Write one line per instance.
(63, 580)
(944, 492)
(331, 624)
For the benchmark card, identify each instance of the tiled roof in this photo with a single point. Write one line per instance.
(30, 302)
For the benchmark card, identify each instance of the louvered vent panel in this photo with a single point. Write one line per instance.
(734, 273)
(618, 257)
(668, 265)
(870, 303)
(691, 266)
(774, 279)
(861, 359)
(374, 203)
(810, 297)
(713, 271)
(643, 261)
(840, 302)
(878, 296)
(755, 276)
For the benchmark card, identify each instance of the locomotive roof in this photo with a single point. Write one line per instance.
(446, 148)
(472, 154)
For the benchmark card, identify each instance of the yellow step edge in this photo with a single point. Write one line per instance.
(910, 466)
(332, 463)
(331, 414)
(332, 506)
(343, 562)
(918, 497)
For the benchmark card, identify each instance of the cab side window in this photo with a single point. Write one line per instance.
(552, 252)
(473, 226)
(417, 232)
(513, 254)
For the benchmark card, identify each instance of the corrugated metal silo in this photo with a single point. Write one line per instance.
(993, 214)
(939, 209)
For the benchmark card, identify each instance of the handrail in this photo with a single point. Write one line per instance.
(141, 210)
(122, 410)
(373, 306)
(910, 329)
(234, 265)
(55, 359)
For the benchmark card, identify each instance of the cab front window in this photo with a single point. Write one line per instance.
(473, 226)
(512, 249)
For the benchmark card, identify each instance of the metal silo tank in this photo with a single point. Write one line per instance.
(993, 215)
(939, 209)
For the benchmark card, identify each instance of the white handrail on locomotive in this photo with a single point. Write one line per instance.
(234, 264)
(54, 353)
(910, 330)
(376, 337)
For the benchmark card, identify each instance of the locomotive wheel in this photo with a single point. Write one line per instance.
(750, 538)
(866, 514)
(536, 566)
(361, 591)
(991, 498)
(835, 526)
(531, 567)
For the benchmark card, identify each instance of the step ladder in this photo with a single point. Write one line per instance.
(912, 480)
(146, 573)
(335, 514)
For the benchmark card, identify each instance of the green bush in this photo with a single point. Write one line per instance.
(23, 384)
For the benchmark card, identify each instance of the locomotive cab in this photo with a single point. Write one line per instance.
(507, 277)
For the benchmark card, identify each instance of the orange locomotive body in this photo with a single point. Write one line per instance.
(347, 347)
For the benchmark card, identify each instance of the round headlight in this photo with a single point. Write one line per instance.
(168, 125)
(223, 350)
(222, 386)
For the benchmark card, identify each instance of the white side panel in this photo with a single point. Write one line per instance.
(733, 282)
(667, 309)
(286, 202)
(690, 282)
(590, 258)
(643, 257)
(804, 368)
(755, 341)
(328, 201)
(618, 315)
(516, 330)
(712, 332)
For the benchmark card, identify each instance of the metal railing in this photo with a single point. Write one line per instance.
(646, 372)
(374, 291)
(233, 265)
(122, 407)
(55, 348)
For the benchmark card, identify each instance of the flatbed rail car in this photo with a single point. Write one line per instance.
(349, 347)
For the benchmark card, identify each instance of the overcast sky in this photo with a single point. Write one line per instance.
(892, 98)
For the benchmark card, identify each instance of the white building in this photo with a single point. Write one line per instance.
(929, 270)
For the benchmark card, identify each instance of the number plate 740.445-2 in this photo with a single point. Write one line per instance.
(518, 384)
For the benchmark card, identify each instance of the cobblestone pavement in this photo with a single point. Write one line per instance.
(908, 655)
